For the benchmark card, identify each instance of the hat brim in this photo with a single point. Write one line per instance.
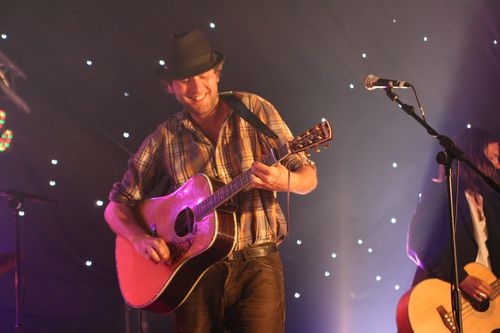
(171, 74)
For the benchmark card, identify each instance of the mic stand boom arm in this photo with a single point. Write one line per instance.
(446, 158)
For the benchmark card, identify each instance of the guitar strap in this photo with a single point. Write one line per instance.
(237, 106)
(241, 109)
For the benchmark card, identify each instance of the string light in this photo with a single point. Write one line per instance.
(126, 94)
(21, 213)
(299, 242)
(396, 287)
(89, 62)
(363, 55)
(378, 278)
(99, 203)
(52, 183)
(469, 126)
(425, 39)
(7, 135)
(327, 273)
(54, 161)
(296, 295)
(394, 165)
(334, 255)
(212, 25)
(162, 62)
(393, 220)
(351, 86)
(4, 36)
(495, 42)
(360, 241)
(88, 263)
(126, 135)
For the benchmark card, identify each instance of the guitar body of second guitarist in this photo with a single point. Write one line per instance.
(246, 289)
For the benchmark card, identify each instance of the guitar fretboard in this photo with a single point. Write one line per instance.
(237, 184)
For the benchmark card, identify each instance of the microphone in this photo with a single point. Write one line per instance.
(374, 82)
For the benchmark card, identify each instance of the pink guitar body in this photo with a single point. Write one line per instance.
(163, 287)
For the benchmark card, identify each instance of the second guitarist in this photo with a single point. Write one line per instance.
(478, 220)
(245, 291)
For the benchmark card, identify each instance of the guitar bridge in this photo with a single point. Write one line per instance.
(447, 319)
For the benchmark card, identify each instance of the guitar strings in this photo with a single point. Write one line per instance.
(468, 309)
(243, 178)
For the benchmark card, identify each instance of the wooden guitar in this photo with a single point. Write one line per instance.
(427, 307)
(199, 229)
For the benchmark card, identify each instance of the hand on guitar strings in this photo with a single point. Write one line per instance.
(274, 178)
(153, 248)
(476, 288)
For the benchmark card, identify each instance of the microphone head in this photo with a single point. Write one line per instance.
(370, 81)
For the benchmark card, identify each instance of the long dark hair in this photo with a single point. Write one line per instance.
(474, 142)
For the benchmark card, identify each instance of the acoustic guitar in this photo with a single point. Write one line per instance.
(198, 228)
(426, 308)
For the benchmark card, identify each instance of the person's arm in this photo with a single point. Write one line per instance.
(275, 178)
(121, 220)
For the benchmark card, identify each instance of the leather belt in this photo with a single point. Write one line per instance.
(253, 252)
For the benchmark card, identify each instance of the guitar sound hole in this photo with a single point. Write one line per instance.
(184, 222)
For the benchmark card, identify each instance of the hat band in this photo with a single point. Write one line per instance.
(205, 58)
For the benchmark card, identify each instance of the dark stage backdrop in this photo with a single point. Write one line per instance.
(90, 77)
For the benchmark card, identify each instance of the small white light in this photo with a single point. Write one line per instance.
(394, 20)
(394, 165)
(99, 203)
(495, 42)
(370, 250)
(4, 36)
(162, 62)
(299, 242)
(54, 161)
(21, 213)
(88, 263)
(469, 126)
(360, 241)
(420, 195)
(351, 86)
(52, 183)
(334, 255)
(126, 135)
(378, 278)
(425, 39)
(393, 220)
(364, 55)
(323, 119)
(212, 25)
(327, 273)
(89, 62)
(296, 295)
(126, 94)
(396, 287)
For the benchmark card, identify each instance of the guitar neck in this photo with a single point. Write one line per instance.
(237, 184)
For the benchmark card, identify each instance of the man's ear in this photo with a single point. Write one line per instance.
(167, 86)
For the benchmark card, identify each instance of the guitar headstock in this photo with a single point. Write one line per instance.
(313, 137)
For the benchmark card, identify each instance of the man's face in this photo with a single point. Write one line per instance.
(491, 153)
(198, 94)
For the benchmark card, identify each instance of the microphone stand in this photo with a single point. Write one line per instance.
(446, 158)
(15, 200)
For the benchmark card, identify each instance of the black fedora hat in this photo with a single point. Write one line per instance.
(188, 54)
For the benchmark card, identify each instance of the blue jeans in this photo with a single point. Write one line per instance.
(238, 296)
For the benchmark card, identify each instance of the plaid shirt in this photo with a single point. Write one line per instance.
(179, 150)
